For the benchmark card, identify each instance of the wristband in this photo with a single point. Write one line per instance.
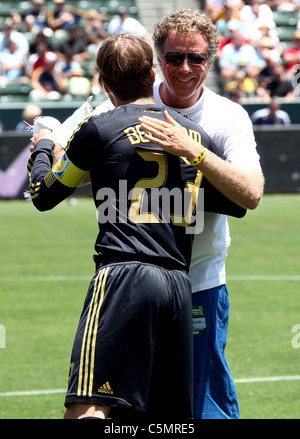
(199, 158)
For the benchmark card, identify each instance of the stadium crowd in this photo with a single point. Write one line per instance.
(51, 47)
(253, 60)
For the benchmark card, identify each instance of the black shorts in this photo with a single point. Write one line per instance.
(133, 346)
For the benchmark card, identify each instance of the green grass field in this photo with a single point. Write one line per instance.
(45, 267)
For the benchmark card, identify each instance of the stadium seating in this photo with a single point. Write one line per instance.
(288, 18)
(14, 91)
(286, 23)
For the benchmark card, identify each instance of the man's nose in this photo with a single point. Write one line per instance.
(185, 65)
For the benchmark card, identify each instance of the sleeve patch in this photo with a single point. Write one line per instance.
(67, 173)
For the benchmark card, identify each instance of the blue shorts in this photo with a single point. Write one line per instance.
(214, 391)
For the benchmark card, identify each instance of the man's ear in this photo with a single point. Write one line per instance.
(105, 86)
(159, 61)
(153, 74)
(103, 83)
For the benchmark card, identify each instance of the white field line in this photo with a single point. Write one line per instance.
(262, 277)
(237, 381)
(45, 278)
(33, 392)
(266, 379)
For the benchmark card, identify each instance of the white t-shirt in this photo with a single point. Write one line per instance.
(129, 25)
(230, 127)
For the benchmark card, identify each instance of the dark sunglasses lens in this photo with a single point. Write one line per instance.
(196, 58)
(177, 58)
(174, 58)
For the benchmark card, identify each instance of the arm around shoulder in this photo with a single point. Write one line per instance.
(243, 186)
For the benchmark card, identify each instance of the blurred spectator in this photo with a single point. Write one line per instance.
(29, 113)
(271, 115)
(215, 9)
(123, 23)
(12, 62)
(269, 58)
(267, 53)
(264, 29)
(40, 58)
(238, 55)
(232, 26)
(67, 64)
(93, 25)
(78, 84)
(230, 17)
(246, 85)
(254, 10)
(291, 56)
(273, 4)
(35, 18)
(286, 5)
(9, 33)
(262, 93)
(48, 82)
(279, 85)
(259, 21)
(62, 17)
(235, 95)
(75, 46)
(41, 36)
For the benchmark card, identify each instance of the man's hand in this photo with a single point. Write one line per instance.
(58, 152)
(171, 136)
(45, 133)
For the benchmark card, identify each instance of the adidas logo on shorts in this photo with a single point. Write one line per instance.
(105, 388)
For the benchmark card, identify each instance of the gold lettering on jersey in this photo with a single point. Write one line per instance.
(152, 111)
(193, 189)
(195, 135)
(136, 134)
(138, 191)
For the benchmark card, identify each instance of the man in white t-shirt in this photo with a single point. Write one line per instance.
(123, 23)
(186, 43)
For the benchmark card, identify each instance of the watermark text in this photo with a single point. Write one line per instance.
(296, 337)
(153, 205)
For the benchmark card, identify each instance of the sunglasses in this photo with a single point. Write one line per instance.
(176, 58)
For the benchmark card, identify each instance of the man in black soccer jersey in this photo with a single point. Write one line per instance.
(132, 353)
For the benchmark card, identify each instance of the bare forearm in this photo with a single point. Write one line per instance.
(243, 186)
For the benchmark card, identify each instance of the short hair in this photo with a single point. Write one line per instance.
(186, 21)
(125, 63)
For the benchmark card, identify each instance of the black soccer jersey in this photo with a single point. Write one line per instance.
(146, 198)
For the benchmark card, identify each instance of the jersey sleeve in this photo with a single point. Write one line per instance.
(51, 185)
